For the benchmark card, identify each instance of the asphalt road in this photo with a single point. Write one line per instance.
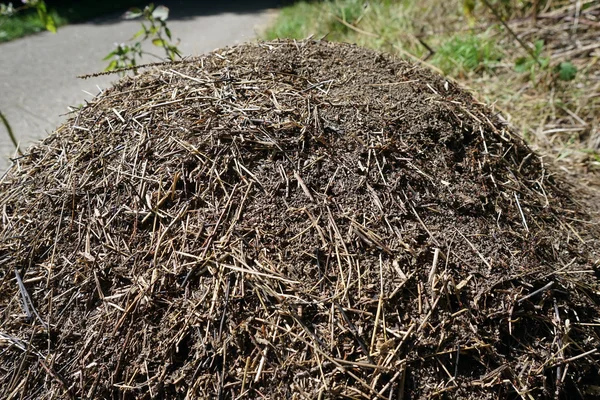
(38, 74)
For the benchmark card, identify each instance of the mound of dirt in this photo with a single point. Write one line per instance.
(294, 220)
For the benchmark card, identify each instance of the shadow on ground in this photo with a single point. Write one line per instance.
(188, 9)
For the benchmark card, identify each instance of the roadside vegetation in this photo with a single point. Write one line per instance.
(535, 61)
(18, 24)
(126, 55)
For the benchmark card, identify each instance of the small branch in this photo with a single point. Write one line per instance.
(354, 332)
(545, 287)
(354, 28)
(521, 212)
(10, 133)
(429, 49)
(513, 34)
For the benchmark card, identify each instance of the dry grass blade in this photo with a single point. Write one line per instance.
(279, 220)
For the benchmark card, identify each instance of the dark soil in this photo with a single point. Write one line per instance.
(294, 220)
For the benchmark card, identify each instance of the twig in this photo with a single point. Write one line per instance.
(521, 212)
(354, 332)
(27, 300)
(512, 33)
(11, 135)
(545, 287)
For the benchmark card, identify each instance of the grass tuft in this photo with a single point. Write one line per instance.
(28, 22)
(293, 22)
(546, 88)
(462, 54)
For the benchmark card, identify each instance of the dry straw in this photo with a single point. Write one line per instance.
(293, 220)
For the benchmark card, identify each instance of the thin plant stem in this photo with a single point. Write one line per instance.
(10, 133)
(512, 33)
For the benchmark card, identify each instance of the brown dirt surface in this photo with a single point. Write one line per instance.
(294, 220)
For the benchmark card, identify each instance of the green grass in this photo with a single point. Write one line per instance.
(293, 22)
(542, 98)
(381, 24)
(462, 54)
(386, 25)
(27, 22)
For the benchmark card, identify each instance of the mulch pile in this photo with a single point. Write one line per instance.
(294, 220)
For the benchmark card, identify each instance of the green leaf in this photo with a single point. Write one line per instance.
(41, 10)
(159, 43)
(139, 33)
(46, 19)
(168, 32)
(109, 55)
(50, 24)
(40, 6)
(112, 66)
(521, 65)
(175, 51)
(161, 13)
(539, 46)
(133, 13)
(468, 7)
(566, 71)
